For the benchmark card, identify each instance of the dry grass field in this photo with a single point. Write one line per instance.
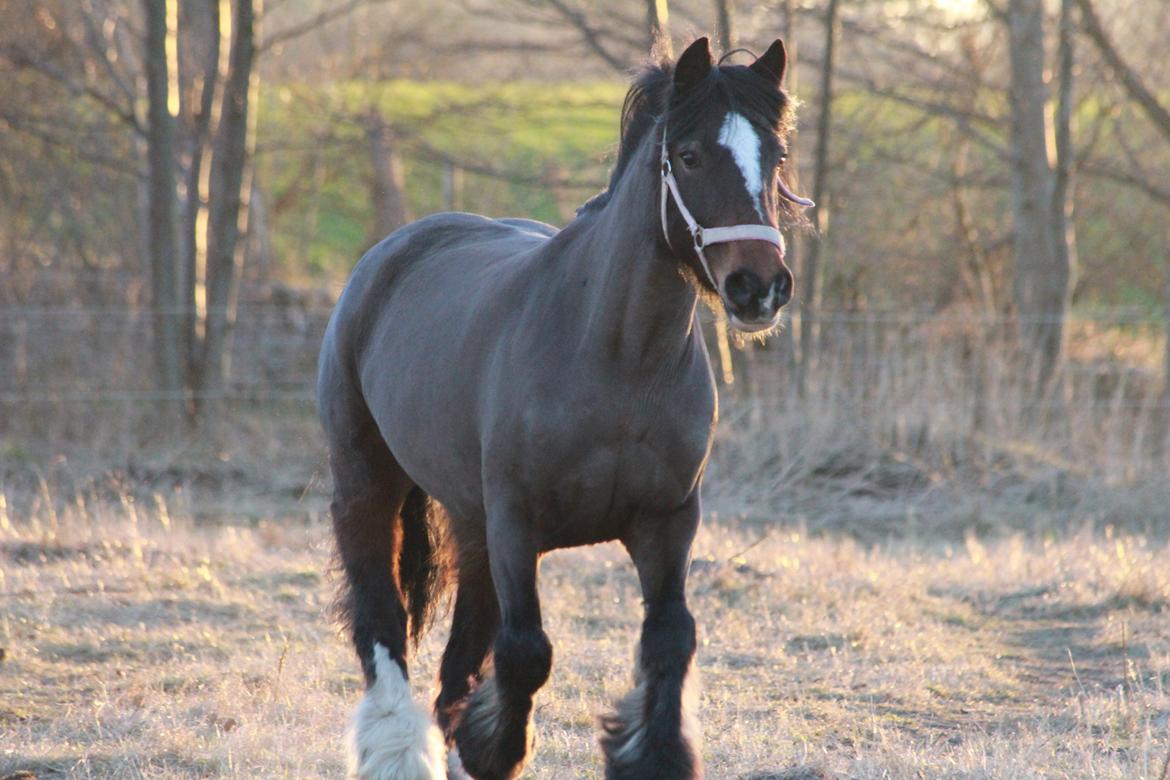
(140, 640)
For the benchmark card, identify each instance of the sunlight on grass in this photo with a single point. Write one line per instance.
(136, 643)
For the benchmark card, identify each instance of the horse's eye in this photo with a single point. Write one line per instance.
(689, 158)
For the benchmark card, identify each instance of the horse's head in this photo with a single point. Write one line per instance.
(723, 167)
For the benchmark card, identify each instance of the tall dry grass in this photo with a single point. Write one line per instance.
(906, 422)
(935, 423)
(141, 642)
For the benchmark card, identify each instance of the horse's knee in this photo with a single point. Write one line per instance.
(523, 660)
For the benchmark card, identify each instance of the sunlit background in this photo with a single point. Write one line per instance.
(938, 506)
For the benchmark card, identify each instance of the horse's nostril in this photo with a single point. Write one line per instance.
(783, 285)
(743, 288)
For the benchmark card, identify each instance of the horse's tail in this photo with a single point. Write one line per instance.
(422, 563)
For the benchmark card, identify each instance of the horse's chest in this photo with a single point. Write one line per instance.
(615, 469)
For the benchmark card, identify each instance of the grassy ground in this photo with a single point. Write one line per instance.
(140, 644)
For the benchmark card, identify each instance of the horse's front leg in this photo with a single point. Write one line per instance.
(494, 733)
(653, 733)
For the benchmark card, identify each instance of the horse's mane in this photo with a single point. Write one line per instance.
(651, 96)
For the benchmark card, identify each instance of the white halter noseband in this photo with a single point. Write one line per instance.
(703, 237)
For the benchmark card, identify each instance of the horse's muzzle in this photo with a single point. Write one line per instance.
(752, 303)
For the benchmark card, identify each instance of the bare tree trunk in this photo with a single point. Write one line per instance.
(1063, 226)
(724, 13)
(387, 187)
(658, 26)
(193, 250)
(452, 186)
(975, 273)
(1042, 274)
(1164, 405)
(820, 212)
(258, 241)
(787, 338)
(230, 170)
(162, 205)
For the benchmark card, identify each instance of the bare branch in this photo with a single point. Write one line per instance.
(316, 22)
(590, 34)
(19, 58)
(68, 141)
(965, 119)
(1138, 91)
(1111, 173)
(102, 46)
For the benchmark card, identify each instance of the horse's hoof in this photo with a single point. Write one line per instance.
(493, 737)
(633, 753)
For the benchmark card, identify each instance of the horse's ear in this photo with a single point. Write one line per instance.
(693, 66)
(772, 63)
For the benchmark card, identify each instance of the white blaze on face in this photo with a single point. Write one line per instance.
(739, 137)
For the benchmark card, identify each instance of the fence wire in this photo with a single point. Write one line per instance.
(73, 355)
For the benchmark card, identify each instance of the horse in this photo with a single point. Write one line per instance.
(494, 389)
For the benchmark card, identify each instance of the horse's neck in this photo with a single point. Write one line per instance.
(637, 304)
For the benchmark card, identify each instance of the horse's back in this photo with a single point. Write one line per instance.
(432, 237)
(444, 248)
(419, 320)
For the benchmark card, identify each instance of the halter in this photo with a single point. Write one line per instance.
(704, 237)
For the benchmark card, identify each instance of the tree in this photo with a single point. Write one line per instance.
(1043, 275)
(387, 189)
(820, 212)
(724, 24)
(200, 47)
(1159, 116)
(228, 212)
(658, 25)
(163, 205)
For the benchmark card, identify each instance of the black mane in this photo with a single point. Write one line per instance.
(652, 96)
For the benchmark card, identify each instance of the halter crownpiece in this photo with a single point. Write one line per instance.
(703, 237)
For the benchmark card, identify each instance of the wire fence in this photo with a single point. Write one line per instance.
(940, 386)
(101, 354)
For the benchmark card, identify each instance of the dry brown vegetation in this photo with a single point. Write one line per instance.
(140, 641)
(914, 565)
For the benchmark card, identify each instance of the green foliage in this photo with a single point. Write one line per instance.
(511, 140)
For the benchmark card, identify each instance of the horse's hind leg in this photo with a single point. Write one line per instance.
(653, 735)
(474, 626)
(494, 733)
(390, 736)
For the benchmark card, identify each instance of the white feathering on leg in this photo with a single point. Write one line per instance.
(692, 728)
(391, 737)
(631, 713)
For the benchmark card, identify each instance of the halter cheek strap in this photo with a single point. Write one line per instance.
(701, 236)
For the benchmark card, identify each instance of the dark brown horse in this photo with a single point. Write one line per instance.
(548, 389)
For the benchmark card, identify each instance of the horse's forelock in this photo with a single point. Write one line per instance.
(739, 89)
(652, 96)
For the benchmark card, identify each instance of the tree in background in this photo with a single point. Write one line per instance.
(162, 206)
(920, 173)
(1043, 270)
(230, 186)
(1158, 115)
(810, 267)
